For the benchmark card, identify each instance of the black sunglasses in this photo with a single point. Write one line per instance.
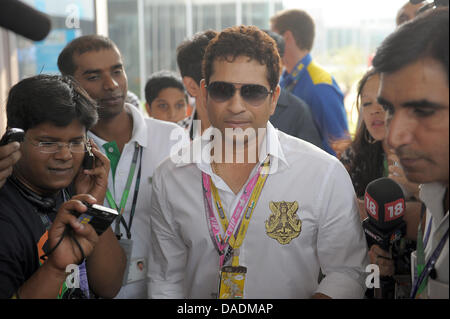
(253, 94)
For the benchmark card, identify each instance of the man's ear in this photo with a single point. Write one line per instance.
(191, 86)
(203, 93)
(289, 38)
(274, 100)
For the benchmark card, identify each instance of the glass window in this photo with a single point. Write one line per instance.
(166, 26)
(70, 19)
(123, 30)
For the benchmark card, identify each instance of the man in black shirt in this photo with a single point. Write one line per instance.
(39, 238)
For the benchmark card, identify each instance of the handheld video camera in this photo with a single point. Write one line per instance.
(100, 217)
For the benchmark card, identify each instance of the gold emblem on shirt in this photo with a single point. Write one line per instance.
(283, 224)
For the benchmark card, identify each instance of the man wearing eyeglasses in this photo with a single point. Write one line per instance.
(39, 238)
(263, 211)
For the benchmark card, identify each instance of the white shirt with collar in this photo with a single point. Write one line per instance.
(155, 138)
(432, 195)
(185, 264)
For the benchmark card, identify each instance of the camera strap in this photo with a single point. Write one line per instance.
(120, 209)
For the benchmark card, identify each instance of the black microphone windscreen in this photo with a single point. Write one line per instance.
(24, 20)
(384, 202)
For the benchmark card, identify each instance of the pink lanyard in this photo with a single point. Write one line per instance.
(214, 227)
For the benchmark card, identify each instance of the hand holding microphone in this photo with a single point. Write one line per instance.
(396, 172)
(383, 259)
(385, 207)
(384, 202)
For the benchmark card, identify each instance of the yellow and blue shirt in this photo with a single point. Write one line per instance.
(319, 90)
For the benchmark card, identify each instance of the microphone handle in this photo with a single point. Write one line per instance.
(387, 288)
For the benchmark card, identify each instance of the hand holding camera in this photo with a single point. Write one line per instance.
(70, 241)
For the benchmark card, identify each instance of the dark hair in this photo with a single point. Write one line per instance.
(366, 159)
(159, 81)
(49, 98)
(299, 22)
(424, 36)
(79, 46)
(246, 41)
(278, 39)
(190, 54)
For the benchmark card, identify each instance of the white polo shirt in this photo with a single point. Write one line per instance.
(185, 264)
(154, 137)
(432, 195)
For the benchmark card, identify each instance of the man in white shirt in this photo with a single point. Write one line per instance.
(135, 146)
(413, 63)
(291, 208)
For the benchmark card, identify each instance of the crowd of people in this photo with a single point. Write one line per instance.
(245, 197)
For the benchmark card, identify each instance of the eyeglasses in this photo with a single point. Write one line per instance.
(253, 94)
(54, 147)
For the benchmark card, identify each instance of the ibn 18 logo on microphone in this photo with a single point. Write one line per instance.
(394, 210)
(371, 206)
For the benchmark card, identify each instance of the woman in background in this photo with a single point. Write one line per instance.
(368, 158)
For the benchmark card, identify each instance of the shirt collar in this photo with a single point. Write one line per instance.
(301, 64)
(139, 133)
(203, 159)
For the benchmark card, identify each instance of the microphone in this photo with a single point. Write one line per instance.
(24, 20)
(384, 202)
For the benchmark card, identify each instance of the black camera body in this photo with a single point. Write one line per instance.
(100, 217)
(12, 135)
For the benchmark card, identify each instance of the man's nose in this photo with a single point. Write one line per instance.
(399, 130)
(64, 152)
(170, 113)
(109, 83)
(237, 103)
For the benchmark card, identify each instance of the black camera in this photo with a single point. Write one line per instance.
(12, 135)
(100, 217)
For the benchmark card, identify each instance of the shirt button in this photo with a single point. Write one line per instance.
(110, 150)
